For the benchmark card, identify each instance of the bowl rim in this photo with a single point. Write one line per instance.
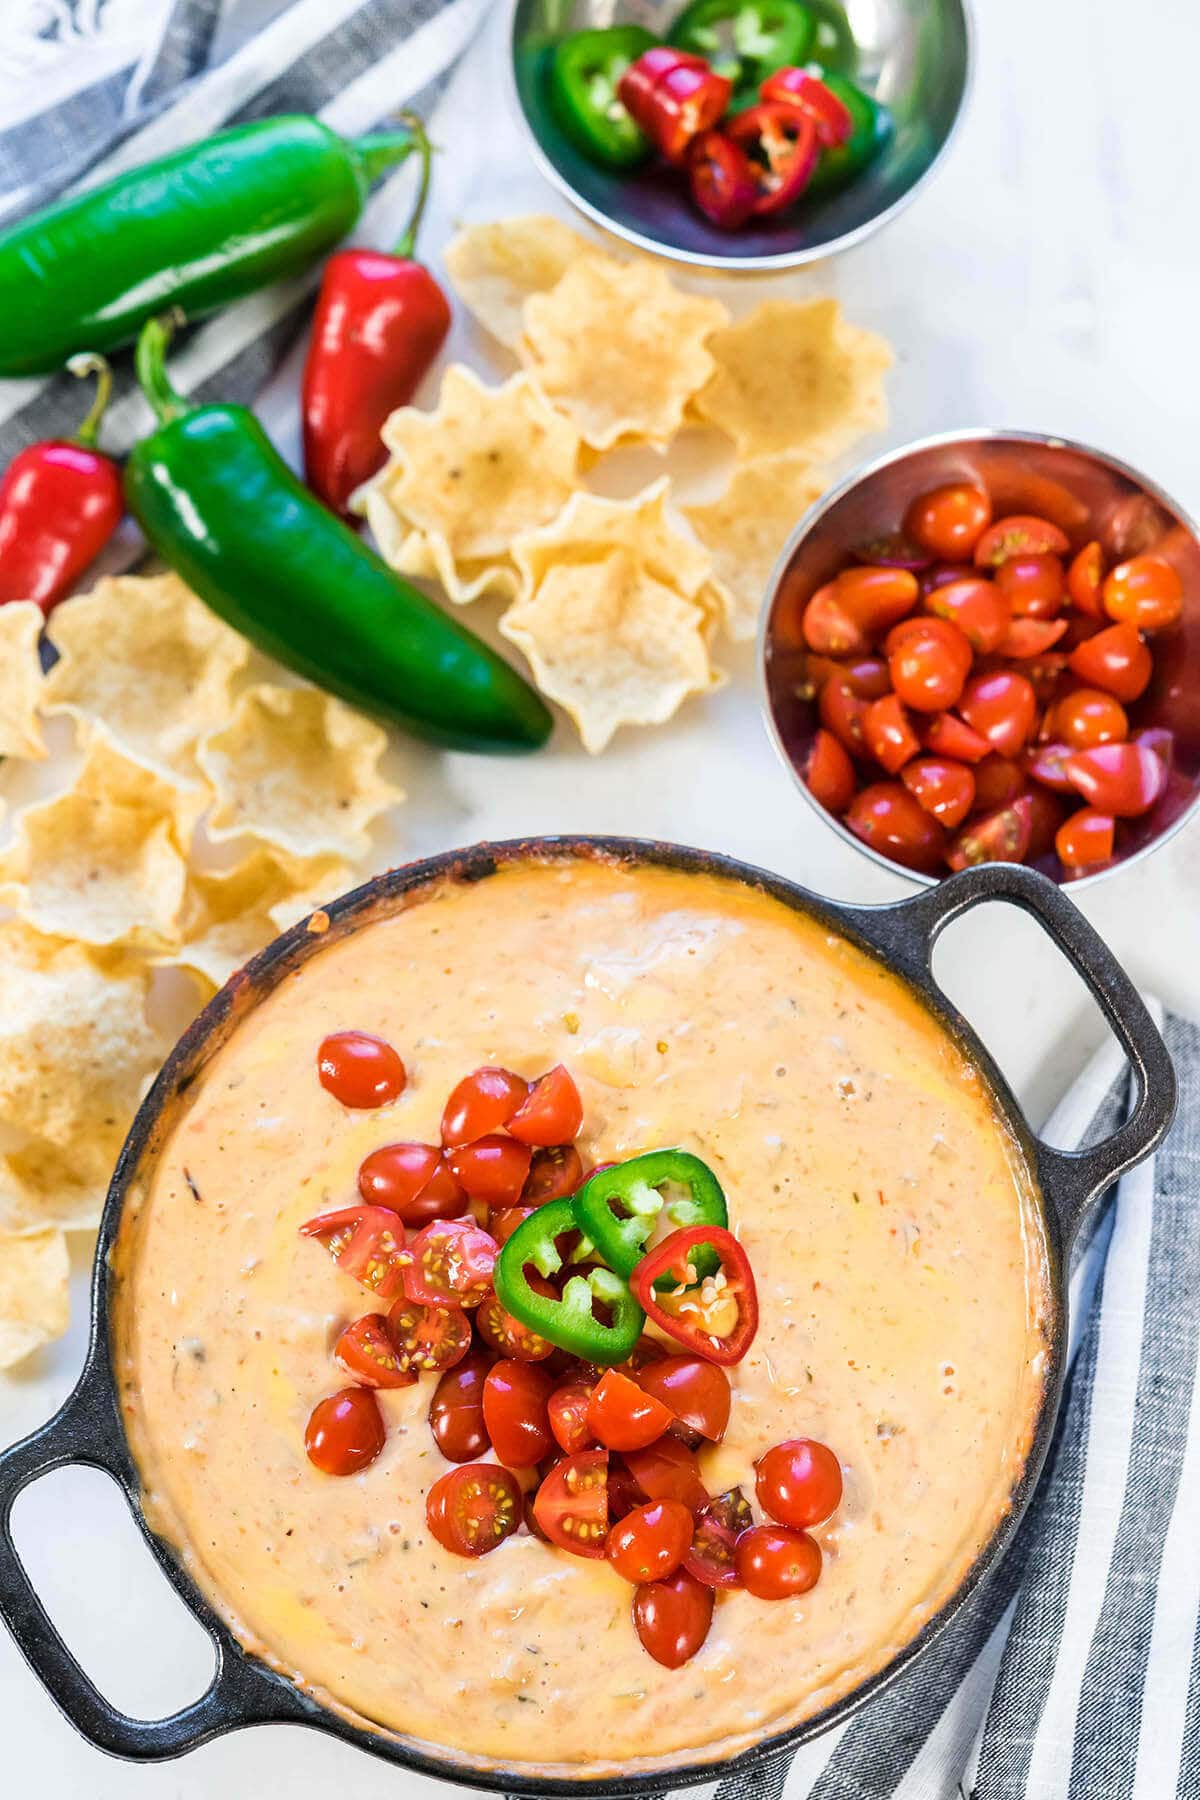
(732, 264)
(812, 516)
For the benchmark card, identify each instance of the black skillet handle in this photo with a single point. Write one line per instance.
(1071, 1180)
(87, 1430)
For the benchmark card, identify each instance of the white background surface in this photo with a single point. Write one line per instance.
(1048, 278)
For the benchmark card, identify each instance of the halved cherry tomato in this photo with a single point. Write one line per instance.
(891, 550)
(623, 1416)
(1020, 534)
(929, 664)
(555, 1173)
(1084, 578)
(1034, 586)
(943, 573)
(890, 737)
(1115, 659)
(572, 1503)
(483, 1101)
(1047, 764)
(1122, 779)
(452, 1263)
(1146, 592)
(551, 1114)
(796, 87)
(949, 520)
(976, 606)
(774, 1562)
(493, 1169)
(886, 816)
(456, 1410)
(877, 598)
(668, 1471)
(1160, 740)
(413, 1180)
(1046, 813)
(1028, 637)
(514, 1411)
(828, 628)
(695, 1392)
(1001, 836)
(781, 145)
(843, 712)
(721, 179)
(944, 788)
(502, 1221)
(672, 1618)
(828, 773)
(508, 1336)
(866, 676)
(650, 1542)
(473, 1509)
(360, 1070)
(997, 781)
(568, 1412)
(1088, 717)
(946, 735)
(1001, 707)
(367, 1354)
(1086, 838)
(367, 1243)
(623, 1492)
(428, 1337)
(719, 1524)
(345, 1432)
(799, 1482)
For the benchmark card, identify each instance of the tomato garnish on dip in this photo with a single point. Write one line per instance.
(799, 1482)
(360, 1070)
(774, 1562)
(483, 1102)
(719, 1524)
(514, 1410)
(366, 1352)
(473, 1509)
(572, 1503)
(345, 1432)
(450, 1263)
(623, 1416)
(456, 1410)
(650, 1542)
(366, 1243)
(696, 1392)
(413, 1180)
(428, 1337)
(672, 1617)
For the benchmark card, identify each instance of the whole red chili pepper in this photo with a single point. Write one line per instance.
(60, 502)
(380, 321)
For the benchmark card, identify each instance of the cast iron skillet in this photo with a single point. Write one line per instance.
(88, 1428)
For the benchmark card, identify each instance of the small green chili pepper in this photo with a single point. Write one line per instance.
(833, 41)
(584, 74)
(873, 127)
(746, 40)
(567, 1319)
(637, 1189)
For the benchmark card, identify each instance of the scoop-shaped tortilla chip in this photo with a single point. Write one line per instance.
(34, 1300)
(21, 679)
(230, 914)
(43, 1185)
(495, 268)
(590, 525)
(746, 529)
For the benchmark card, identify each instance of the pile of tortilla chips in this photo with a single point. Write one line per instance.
(616, 604)
(212, 802)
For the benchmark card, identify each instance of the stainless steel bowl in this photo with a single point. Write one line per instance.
(914, 55)
(1089, 495)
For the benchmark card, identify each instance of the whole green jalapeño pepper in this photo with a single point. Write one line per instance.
(203, 226)
(567, 1319)
(746, 40)
(584, 72)
(618, 1208)
(873, 127)
(221, 506)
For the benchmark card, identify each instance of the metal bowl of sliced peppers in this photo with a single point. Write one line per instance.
(986, 648)
(741, 134)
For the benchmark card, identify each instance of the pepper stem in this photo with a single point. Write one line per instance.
(382, 151)
(150, 364)
(89, 363)
(408, 242)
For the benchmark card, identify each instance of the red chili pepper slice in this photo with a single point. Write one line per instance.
(717, 1317)
(721, 179)
(673, 96)
(796, 87)
(782, 149)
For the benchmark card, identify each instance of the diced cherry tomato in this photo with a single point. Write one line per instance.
(844, 713)
(1047, 764)
(572, 1503)
(774, 1562)
(799, 1482)
(1046, 813)
(367, 1354)
(668, 1470)
(782, 148)
(568, 1411)
(473, 1509)
(366, 1243)
(1002, 707)
(650, 1542)
(1146, 592)
(1088, 717)
(514, 1411)
(672, 1618)
(877, 598)
(428, 1337)
(483, 1101)
(1116, 660)
(946, 735)
(551, 1114)
(1086, 838)
(1001, 836)
(944, 788)
(719, 1524)
(949, 521)
(1122, 779)
(695, 1392)
(930, 664)
(502, 1221)
(1084, 578)
(721, 179)
(360, 1070)
(345, 1432)
(886, 816)
(796, 87)
(413, 1180)
(829, 628)
(1034, 586)
(997, 781)
(508, 1336)
(623, 1416)
(828, 773)
(943, 573)
(456, 1410)
(890, 737)
(452, 1263)
(1019, 535)
(493, 1169)
(976, 606)
(1029, 637)
(555, 1173)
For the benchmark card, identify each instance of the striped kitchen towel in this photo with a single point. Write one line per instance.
(90, 87)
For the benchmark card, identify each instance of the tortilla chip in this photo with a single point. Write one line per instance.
(230, 914)
(620, 349)
(611, 644)
(298, 769)
(746, 529)
(486, 464)
(149, 660)
(589, 526)
(429, 559)
(795, 375)
(102, 862)
(42, 1185)
(34, 1301)
(21, 679)
(495, 268)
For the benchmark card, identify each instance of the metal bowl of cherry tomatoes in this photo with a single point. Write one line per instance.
(985, 647)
